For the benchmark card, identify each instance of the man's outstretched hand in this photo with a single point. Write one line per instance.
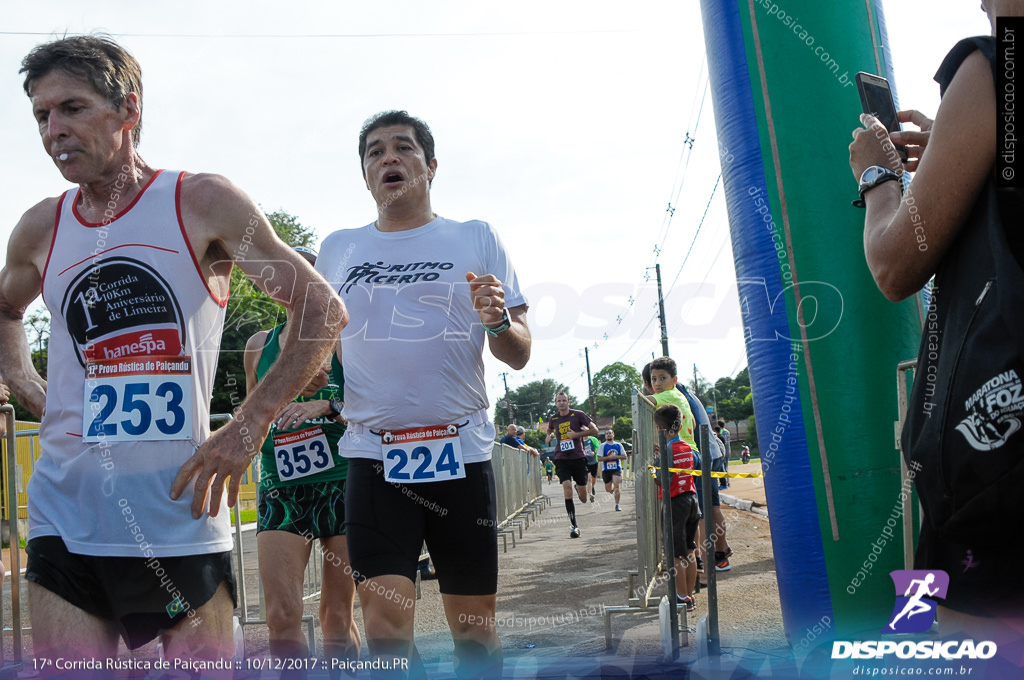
(227, 453)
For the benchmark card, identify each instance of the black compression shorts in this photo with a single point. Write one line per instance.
(389, 522)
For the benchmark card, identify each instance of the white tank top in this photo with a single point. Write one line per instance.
(128, 305)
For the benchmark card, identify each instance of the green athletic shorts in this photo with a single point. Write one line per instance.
(315, 510)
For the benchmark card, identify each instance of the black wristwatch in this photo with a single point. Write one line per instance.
(871, 178)
(505, 324)
(336, 405)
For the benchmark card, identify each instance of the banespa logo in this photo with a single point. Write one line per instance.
(909, 649)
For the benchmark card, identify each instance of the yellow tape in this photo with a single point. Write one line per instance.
(697, 473)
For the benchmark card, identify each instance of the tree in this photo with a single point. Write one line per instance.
(535, 438)
(700, 388)
(734, 400)
(623, 428)
(529, 402)
(615, 383)
(37, 328)
(248, 311)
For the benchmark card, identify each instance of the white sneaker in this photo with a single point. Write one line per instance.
(574, 532)
(617, 508)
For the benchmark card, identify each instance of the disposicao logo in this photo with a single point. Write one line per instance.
(913, 613)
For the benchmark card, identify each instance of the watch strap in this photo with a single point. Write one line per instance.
(505, 324)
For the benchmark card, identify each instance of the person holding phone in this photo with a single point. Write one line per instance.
(955, 223)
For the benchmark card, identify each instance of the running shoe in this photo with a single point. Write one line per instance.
(617, 508)
(592, 497)
(574, 532)
(700, 564)
(689, 600)
(722, 565)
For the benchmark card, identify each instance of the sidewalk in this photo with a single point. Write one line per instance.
(746, 493)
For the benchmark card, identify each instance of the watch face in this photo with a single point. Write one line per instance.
(870, 175)
(873, 175)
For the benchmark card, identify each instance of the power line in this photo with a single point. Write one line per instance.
(685, 153)
(696, 233)
(333, 36)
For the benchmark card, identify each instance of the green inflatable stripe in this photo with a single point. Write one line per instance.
(802, 57)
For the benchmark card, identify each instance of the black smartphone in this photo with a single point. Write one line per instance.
(876, 99)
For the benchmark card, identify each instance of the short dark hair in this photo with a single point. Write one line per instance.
(664, 364)
(111, 69)
(721, 423)
(668, 417)
(388, 118)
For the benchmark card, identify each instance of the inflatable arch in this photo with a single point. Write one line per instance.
(822, 342)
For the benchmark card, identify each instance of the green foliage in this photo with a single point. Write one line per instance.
(751, 432)
(250, 310)
(535, 438)
(701, 389)
(623, 428)
(613, 388)
(37, 330)
(734, 410)
(531, 401)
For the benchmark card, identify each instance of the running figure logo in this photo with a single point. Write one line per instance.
(913, 613)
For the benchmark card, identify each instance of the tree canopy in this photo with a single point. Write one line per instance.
(531, 401)
(248, 311)
(613, 389)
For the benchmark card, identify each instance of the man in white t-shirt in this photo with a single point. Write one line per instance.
(426, 294)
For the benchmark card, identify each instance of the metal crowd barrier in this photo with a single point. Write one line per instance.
(14, 568)
(651, 562)
(518, 492)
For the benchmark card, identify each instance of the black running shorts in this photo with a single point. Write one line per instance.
(389, 522)
(608, 475)
(142, 596)
(685, 518)
(574, 469)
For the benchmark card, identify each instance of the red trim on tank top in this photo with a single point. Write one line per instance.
(123, 245)
(188, 244)
(74, 206)
(53, 240)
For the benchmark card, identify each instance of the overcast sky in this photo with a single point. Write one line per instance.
(561, 123)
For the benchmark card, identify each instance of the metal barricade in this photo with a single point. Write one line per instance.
(642, 581)
(518, 493)
(517, 490)
(14, 568)
(248, 489)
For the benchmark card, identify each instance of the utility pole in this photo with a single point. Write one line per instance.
(696, 385)
(661, 313)
(590, 390)
(508, 401)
